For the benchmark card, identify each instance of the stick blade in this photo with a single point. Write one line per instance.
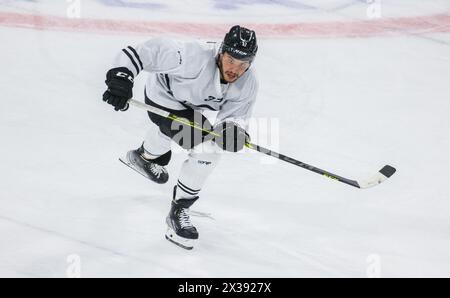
(386, 172)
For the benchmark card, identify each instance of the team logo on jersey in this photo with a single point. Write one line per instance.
(213, 99)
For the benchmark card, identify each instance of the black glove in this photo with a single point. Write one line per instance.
(120, 88)
(233, 137)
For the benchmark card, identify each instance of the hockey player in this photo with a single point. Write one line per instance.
(184, 79)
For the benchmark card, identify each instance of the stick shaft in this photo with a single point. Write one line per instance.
(248, 145)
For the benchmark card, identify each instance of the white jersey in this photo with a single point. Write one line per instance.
(185, 74)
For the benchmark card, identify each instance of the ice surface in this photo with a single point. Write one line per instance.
(348, 105)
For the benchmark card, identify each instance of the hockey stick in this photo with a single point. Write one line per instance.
(386, 172)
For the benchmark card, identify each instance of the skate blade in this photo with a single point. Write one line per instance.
(179, 241)
(125, 161)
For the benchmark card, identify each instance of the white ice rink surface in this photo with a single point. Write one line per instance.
(348, 105)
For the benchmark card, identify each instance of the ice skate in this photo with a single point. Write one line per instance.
(180, 230)
(151, 170)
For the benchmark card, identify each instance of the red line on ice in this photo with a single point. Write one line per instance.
(378, 27)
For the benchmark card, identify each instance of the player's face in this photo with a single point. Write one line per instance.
(232, 68)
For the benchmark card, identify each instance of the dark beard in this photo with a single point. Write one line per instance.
(219, 65)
